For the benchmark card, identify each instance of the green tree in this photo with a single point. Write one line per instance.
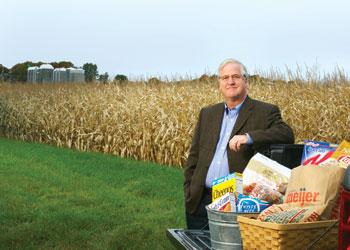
(103, 78)
(154, 80)
(19, 71)
(204, 78)
(4, 73)
(121, 78)
(91, 72)
(208, 78)
(62, 64)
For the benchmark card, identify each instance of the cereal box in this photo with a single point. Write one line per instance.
(316, 152)
(341, 155)
(231, 183)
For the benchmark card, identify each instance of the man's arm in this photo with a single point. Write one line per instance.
(192, 158)
(277, 131)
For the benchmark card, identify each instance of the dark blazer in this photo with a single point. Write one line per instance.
(262, 121)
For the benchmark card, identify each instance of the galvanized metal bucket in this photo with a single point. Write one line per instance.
(224, 230)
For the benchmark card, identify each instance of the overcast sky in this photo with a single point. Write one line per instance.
(176, 37)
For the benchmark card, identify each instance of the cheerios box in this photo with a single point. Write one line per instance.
(232, 183)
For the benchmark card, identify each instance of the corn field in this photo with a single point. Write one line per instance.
(155, 122)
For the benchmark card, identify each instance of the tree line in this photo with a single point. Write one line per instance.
(18, 73)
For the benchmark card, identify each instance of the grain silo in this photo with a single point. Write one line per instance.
(75, 75)
(32, 74)
(45, 73)
(60, 75)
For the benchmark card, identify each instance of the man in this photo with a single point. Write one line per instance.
(227, 135)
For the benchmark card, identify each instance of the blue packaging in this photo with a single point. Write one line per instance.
(247, 204)
(316, 152)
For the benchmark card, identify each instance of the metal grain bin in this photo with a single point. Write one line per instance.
(60, 75)
(76, 75)
(32, 74)
(45, 73)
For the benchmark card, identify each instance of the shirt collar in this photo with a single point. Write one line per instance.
(237, 108)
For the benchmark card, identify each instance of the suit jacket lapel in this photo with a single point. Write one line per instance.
(216, 125)
(244, 114)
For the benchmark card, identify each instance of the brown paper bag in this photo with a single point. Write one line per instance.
(315, 186)
(312, 194)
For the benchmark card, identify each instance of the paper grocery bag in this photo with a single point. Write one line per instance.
(315, 186)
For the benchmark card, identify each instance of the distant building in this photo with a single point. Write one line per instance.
(47, 74)
(75, 75)
(60, 75)
(31, 74)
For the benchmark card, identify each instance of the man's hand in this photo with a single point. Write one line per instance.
(236, 142)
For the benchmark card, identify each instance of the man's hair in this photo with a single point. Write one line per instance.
(244, 71)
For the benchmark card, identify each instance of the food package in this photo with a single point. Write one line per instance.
(312, 194)
(226, 203)
(287, 213)
(247, 204)
(316, 152)
(267, 194)
(232, 183)
(341, 156)
(263, 170)
(315, 186)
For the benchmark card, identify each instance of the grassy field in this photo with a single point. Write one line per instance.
(155, 122)
(53, 198)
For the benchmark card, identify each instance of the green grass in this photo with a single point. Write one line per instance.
(54, 198)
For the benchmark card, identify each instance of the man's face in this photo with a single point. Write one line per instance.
(232, 84)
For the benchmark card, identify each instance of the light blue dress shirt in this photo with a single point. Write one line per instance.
(219, 165)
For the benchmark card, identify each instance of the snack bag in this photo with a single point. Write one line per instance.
(286, 213)
(267, 194)
(247, 204)
(316, 152)
(263, 170)
(247, 189)
(230, 183)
